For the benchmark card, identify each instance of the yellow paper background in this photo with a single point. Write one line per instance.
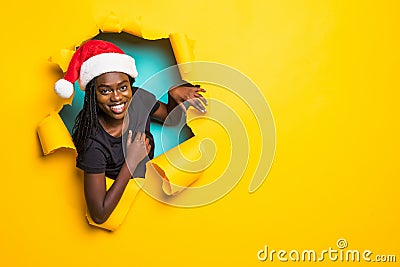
(329, 71)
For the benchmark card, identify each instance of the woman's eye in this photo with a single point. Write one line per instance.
(104, 91)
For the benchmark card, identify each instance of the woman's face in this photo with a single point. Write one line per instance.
(113, 93)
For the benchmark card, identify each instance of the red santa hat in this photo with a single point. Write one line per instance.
(90, 60)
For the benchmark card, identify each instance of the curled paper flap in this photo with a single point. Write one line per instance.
(110, 23)
(53, 134)
(180, 166)
(62, 58)
(118, 215)
(183, 50)
(151, 31)
(134, 27)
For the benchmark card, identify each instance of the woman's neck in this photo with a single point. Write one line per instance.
(111, 126)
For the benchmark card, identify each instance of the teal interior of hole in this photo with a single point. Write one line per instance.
(151, 56)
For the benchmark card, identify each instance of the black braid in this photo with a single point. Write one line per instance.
(86, 121)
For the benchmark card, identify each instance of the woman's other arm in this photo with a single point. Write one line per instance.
(102, 202)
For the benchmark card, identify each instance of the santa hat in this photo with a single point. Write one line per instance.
(90, 60)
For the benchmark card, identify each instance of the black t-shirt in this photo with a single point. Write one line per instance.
(104, 153)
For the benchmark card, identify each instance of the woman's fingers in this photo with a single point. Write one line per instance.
(138, 136)
(137, 148)
(197, 104)
(148, 148)
(201, 90)
(202, 99)
(196, 99)
(142, 138)
(129, 138)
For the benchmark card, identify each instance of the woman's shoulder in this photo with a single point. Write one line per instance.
(143, 98)
(137, 91)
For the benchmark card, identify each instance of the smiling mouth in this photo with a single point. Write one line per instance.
(118, 109)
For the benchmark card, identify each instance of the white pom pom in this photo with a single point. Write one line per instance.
(64, 88)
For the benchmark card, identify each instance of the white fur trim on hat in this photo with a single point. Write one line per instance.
(106, 62)
(64, 88)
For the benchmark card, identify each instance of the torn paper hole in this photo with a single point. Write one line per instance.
(54, 134)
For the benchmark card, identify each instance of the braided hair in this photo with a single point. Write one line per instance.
(86, 121)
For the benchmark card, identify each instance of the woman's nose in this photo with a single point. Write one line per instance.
(116, 95)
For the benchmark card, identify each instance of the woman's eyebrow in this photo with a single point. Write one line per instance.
(109, 85)
(122, 82)
(103, 85)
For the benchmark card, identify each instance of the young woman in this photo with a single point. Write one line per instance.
(107, 74)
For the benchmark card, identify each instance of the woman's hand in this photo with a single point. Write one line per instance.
(136, 149)
(191, 95)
